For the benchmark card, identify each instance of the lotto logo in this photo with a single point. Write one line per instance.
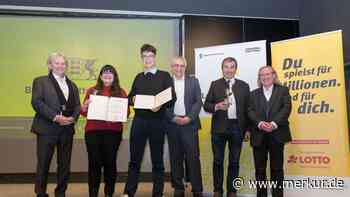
(309, 159)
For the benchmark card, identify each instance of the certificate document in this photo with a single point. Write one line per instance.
(150, 102)
(105, 108)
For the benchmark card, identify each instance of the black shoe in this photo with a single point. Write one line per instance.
(42, 195)
(179, 193)
(197, 194)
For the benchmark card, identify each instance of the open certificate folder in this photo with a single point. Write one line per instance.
(151, 102)
(108, 108)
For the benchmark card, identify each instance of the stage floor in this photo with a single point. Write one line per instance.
(81, 190)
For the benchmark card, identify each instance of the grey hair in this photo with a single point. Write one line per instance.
(183, 59)
(55, 55)
(275, 81)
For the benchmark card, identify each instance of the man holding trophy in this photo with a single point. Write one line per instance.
(227, 100)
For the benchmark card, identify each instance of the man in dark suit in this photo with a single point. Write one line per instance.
(227, 100)
(269, 109)
(182, 130)
(55, 100)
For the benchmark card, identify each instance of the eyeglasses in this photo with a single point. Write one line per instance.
(178, 65)
(147, 56)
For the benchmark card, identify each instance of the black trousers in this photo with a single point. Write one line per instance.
(143, 130)
(184, 148)
(102, 147)
(46, 145)
(275, 151)
(234, 138)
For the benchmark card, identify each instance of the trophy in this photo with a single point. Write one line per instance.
(227, 99)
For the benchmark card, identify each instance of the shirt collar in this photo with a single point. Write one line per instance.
(232, 80)
(268, 89)
(182, 79)
(57, 77)
(152, 70)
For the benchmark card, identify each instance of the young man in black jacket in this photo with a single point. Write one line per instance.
(148, 124)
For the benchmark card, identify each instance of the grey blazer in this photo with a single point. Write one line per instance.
(193, 101)
(46, 105)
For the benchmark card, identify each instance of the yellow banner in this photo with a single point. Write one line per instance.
(313, 69)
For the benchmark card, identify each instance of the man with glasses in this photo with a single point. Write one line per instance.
(148, 124)
(182, 130)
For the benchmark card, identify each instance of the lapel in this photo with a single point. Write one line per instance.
(52, 94)
(187, 93)
(273, 96)
(262, 101)
(222, 88)
(235, 90)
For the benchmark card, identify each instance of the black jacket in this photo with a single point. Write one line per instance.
(217, 93)
(279, 110)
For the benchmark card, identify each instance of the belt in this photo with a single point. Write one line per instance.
(235, 121)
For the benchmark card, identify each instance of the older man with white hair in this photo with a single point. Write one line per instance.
(55, 100)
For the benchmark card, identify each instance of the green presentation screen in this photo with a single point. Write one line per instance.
(88, 44)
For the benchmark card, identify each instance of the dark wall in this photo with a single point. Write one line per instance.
(202, 31)
(317, 16)
(255, 8)
(271, 31)
(205, 31)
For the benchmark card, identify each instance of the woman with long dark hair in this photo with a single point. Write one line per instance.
(103, 137)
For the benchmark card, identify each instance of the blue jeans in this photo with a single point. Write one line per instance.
(233, 136)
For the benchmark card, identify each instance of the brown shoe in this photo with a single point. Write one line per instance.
(231, 194)
(217, 194)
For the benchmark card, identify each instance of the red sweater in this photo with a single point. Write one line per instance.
(96, 125)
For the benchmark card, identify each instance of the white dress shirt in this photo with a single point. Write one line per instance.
(268, 92)
(63, 85)
(232, 109)
(179, 108)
